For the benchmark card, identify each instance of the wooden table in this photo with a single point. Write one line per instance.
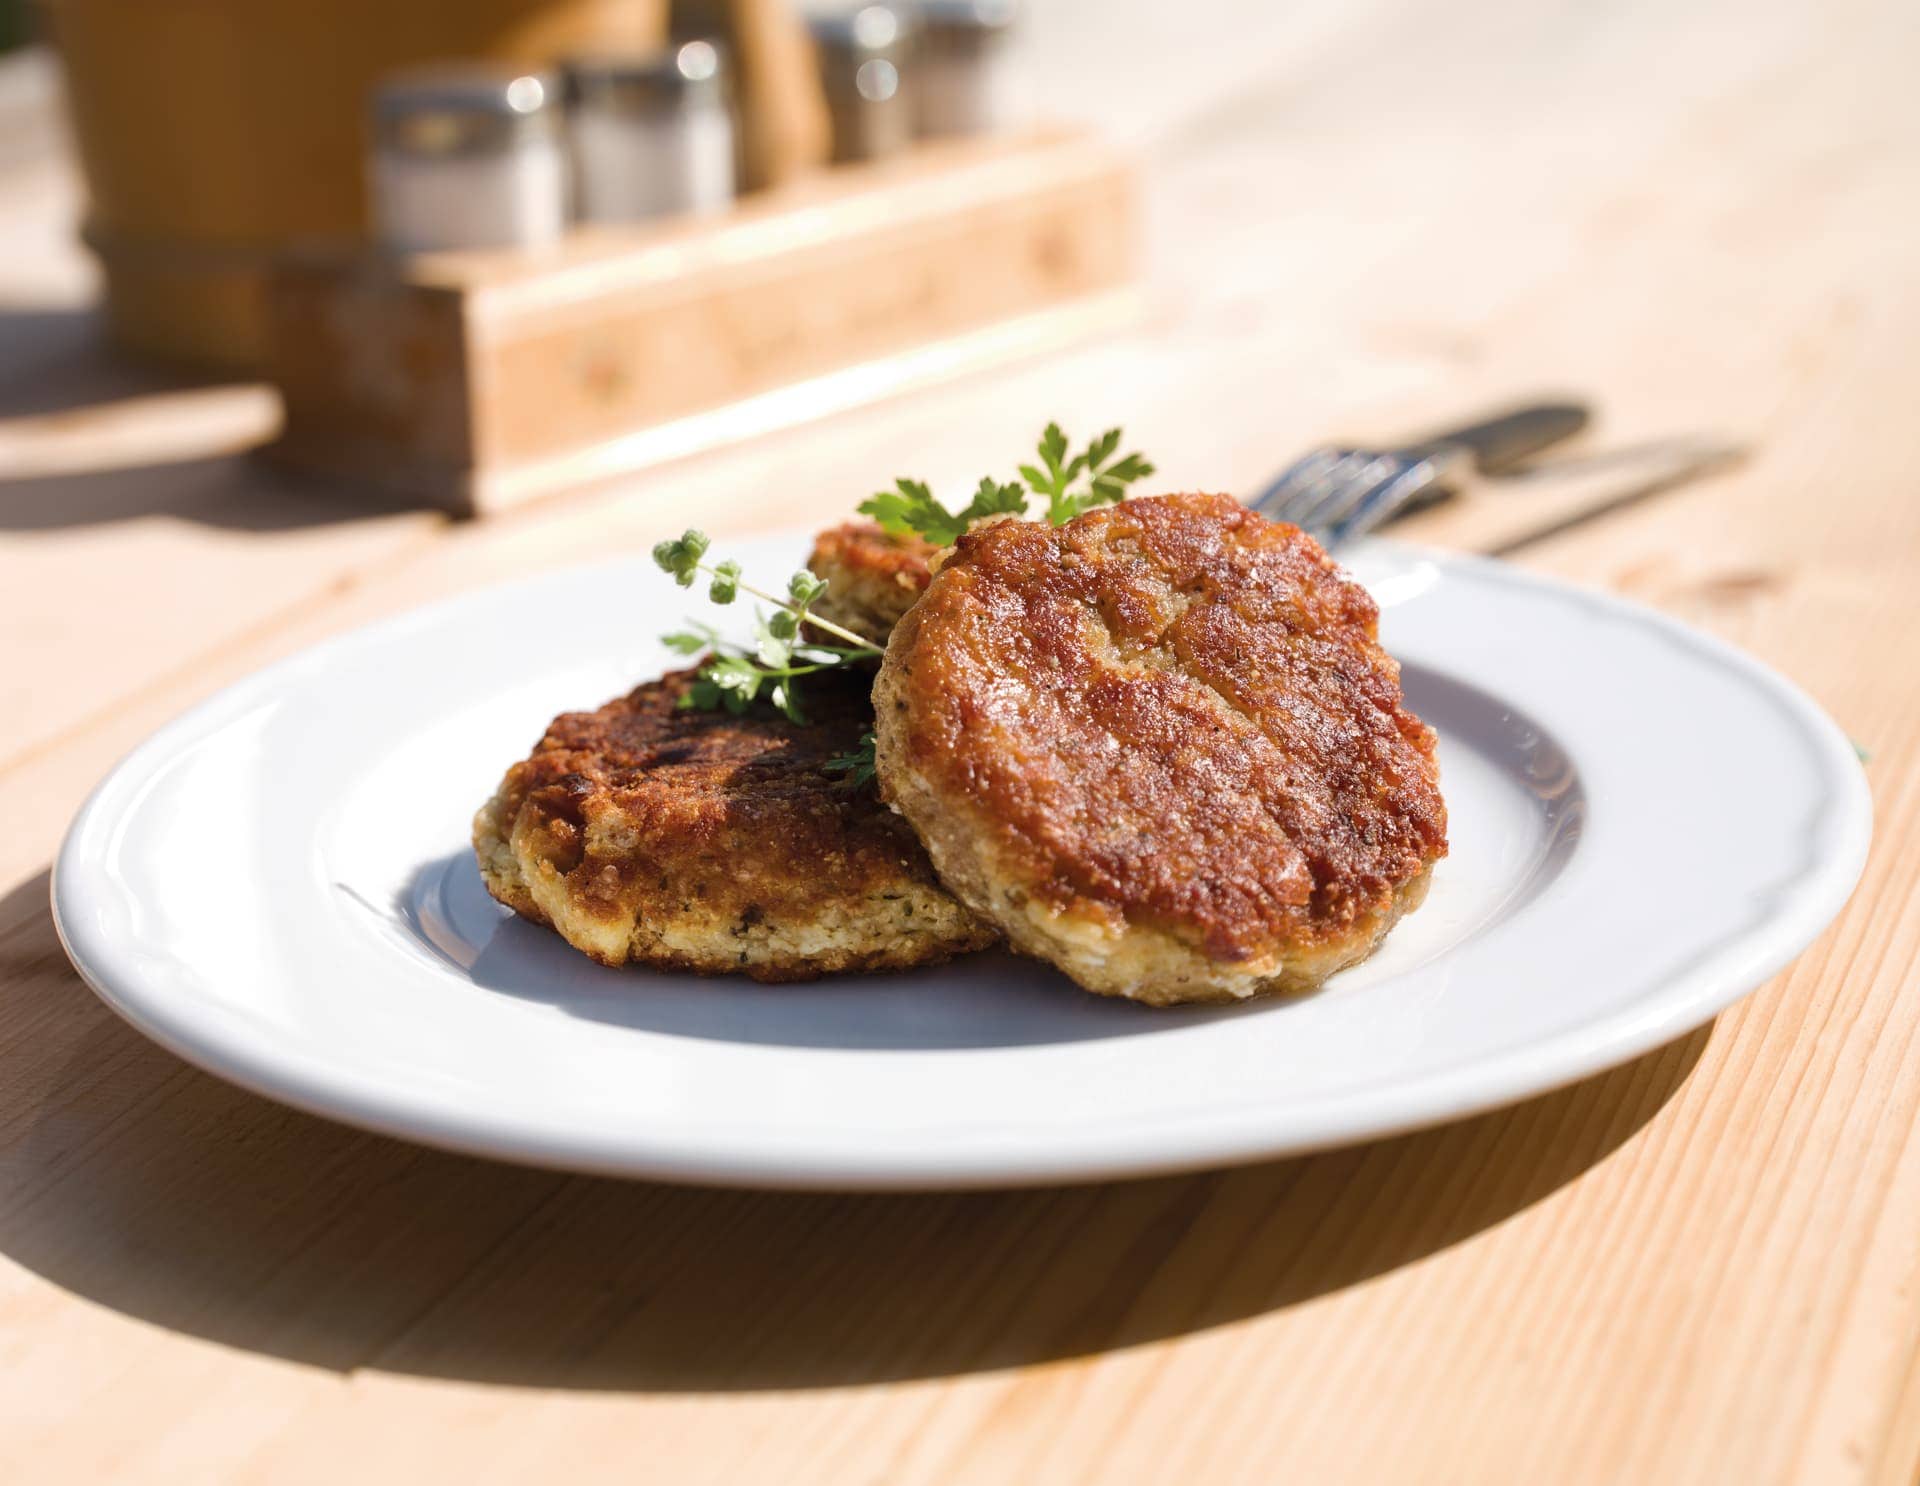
(1365, 217)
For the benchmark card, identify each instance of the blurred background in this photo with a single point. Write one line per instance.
(201, 149)
(290, 290)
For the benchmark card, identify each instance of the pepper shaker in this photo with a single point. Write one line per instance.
(962, 77)
(466, 157)
(652, 134)
(862, 66)
(779, 109)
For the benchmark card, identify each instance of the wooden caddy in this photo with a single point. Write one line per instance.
(476, 381)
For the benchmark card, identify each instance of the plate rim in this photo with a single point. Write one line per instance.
(1725, 974)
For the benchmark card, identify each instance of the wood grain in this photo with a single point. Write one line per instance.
(1369, 217)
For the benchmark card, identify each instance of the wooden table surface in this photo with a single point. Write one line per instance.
(1364, 217)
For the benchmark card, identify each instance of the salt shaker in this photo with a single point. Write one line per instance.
(467, 157)
(962, 76)
(652, 134)
(862, 66)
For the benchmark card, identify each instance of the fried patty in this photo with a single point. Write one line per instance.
(873, 577)
(699, 840)
(1161, 747)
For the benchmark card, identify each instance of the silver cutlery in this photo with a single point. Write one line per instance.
(1337, 494)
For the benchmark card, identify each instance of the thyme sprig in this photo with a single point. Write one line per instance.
(781, 653)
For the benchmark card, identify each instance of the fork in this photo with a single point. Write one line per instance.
(1337, 494)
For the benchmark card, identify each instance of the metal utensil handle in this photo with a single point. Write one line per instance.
(1498, 444)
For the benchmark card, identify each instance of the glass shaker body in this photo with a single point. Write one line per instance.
(652, 136)
(466, 158)
(963, 79)
(865, 72)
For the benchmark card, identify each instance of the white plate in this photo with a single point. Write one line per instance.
(1645, 825)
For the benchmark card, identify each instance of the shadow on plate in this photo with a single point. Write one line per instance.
(996, 1000)
(991, 1000)
(139, 1184)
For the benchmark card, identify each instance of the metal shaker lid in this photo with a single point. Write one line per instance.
(692, 72)
(862, 52)
(864, 33)
(455, 109)
(985, 17)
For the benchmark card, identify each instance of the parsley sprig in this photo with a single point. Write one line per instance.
(781, 652)
(909, 509)
(856, 764)
(1107, 478)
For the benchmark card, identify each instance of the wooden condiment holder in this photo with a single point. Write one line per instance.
(476, 381)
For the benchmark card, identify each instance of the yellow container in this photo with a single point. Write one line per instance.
(214, 132)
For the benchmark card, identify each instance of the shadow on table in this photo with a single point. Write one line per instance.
(231, 491)
(64, 382)
(139, 1184)
(57, 360)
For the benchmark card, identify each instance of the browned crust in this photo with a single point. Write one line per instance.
(873, 577)
(1170, 716)
(710, 842)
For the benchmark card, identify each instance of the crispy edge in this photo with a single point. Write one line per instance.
(895, 924)
(873, 577)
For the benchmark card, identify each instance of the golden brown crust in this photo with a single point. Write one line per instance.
(1161, 746)
(705, 841)
(873, 577)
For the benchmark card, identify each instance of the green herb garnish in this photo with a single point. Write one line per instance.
(1107, 478)
(737, 675)
(856, 764)
(909, 509)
